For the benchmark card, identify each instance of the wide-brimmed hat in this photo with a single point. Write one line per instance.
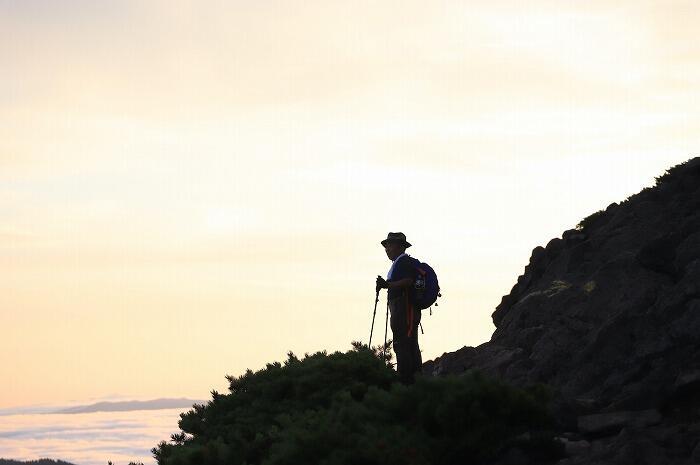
(396, 237)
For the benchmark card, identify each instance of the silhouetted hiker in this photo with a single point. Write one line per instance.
(405, 318)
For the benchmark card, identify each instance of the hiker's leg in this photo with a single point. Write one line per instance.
(415, 364)
(402, 347)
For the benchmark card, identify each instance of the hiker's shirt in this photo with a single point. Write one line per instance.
(393, 265)
(404, 317)
(400, 269)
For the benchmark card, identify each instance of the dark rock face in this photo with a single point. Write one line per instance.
(609, 317)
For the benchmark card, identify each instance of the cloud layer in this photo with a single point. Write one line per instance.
(87, 439)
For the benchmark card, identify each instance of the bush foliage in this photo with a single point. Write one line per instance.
(586, 223)
(348, 408)
(668, 177)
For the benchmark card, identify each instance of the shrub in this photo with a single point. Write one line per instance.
(348, 408)
(670, 173)
(590, 220)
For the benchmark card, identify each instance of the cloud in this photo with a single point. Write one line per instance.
(87, 439)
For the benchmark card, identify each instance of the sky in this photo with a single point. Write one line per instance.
(191, 189)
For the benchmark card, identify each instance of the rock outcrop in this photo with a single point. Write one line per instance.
(608, 315)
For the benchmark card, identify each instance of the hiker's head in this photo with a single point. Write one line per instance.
(393, 250)
(395, 244)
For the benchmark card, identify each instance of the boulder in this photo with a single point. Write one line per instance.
(606, 423)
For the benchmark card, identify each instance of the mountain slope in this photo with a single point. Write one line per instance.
(609, 314)
(126, 406)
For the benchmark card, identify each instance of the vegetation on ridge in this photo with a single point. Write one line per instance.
(33, 462)
(348, 408)
(586, 223)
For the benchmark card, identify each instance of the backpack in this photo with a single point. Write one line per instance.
(426, 287)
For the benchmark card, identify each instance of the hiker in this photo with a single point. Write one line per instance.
(405, 317)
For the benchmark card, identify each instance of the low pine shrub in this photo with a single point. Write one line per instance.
(348, 408)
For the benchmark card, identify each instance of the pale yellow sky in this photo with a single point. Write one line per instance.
(190, 189)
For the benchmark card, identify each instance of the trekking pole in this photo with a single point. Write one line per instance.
(386, 330)
(376, 300)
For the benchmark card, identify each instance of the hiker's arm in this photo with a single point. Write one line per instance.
(406, 282)
(384, 284)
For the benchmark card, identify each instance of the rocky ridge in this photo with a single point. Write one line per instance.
(608, 316)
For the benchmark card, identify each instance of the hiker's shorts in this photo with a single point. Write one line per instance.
(404, 326)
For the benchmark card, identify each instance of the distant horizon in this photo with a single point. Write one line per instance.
(56, 408)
